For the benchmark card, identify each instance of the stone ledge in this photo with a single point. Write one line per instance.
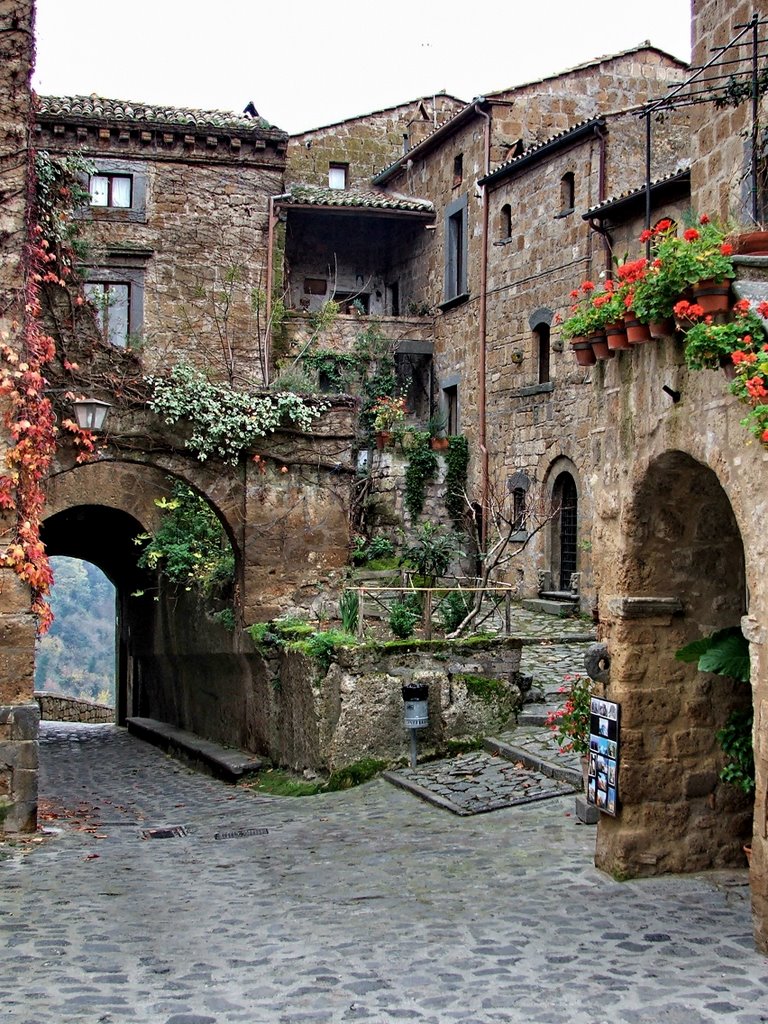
(222, 762)
(644, 607)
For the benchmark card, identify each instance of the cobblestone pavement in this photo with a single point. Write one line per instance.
(368, 905)
(478, 782)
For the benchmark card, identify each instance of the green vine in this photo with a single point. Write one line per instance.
(422, 467)
(457, 463)
(339, 369)
(190, 547)
(225, 421)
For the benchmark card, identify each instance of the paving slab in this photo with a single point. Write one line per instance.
(366, 905)
(479, 782)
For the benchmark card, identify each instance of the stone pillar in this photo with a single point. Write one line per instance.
(18, 713)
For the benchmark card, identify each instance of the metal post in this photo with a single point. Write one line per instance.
(755, 105)
(648, 181)
(360, 611)
(427, 615)
(508, 613)
(414, 757)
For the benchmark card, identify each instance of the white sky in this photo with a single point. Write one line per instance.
(305, 64)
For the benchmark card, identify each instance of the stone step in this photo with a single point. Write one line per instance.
(563, 609)
(535, 760)
(224, 763)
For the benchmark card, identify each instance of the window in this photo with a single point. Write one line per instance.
(505, 221)
(118, 191)
(112, 301)
(113, 190)
(458, 169)
(541, 349)
(567, 193)
(456, 250)
(518, 510)
(451, 408)
(338, 175)
(116, 291)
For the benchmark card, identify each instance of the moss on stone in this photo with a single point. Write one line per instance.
(484, 687)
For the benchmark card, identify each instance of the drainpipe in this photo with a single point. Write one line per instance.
(481, 409)
(272, 221)
(600, 135)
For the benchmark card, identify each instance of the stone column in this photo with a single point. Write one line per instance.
(18, 713)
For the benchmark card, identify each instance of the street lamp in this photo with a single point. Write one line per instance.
(90, 413)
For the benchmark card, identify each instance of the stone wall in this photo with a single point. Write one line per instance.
(368, 143)
(720, 144)
(58, 707)
(18, 718)
(329, 719)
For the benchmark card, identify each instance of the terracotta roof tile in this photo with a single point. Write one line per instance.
(313, 195)
(97, 108)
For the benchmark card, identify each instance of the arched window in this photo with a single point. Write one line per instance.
(567, 193)
(505, 221)
(541, 351)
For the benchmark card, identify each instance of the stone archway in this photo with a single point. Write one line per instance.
(681, 576)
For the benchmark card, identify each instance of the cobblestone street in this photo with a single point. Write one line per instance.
(368, 905)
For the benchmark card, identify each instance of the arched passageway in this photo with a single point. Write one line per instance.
(683, 575)
(105, 537)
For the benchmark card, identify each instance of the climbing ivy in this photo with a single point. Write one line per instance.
(422, 467)
(457, 462)
(225, 421)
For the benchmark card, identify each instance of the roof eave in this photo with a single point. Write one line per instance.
(542, 152)
(444, 131)
(363, 211)
(624, 206)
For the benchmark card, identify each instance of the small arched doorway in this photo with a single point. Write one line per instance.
(565, 500)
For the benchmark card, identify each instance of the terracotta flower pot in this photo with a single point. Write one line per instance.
(383, 439)
(616, 336)
(582, 349)
(662, 328)
(600, 346)
(438, 444)
(637, 333)
(751, 243)
(713, 296)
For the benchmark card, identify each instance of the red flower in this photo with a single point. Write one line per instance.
(704, 218)
(574, 294)
(587, 286)
(691, 235)
(743, 357)
(764, 437)
(646, 236)
(756, 387)
(742, 306)
(663, 225)
(726, 249)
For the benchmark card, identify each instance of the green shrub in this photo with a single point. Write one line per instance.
(402, 620)
(453, 609)
(349, 610)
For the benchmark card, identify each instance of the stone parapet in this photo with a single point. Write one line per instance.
(58, 707)
(18, 767)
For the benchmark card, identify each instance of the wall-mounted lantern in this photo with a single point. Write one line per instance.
(90, 413)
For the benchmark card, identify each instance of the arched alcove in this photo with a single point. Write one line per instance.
(682, 574)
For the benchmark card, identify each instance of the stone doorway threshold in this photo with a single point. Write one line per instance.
(477, 783)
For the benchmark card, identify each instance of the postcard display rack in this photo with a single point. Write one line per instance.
(603, 772)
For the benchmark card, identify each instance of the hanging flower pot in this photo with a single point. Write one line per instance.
(751, 243)
(600, 346)
(662, 328)
(582, 349)
(616, 336)
(713, 296)
(637, 333)
(383, 439)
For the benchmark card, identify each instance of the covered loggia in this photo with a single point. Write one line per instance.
(682, 577)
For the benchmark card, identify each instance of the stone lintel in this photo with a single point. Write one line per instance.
(662, 608)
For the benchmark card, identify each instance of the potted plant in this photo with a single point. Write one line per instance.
(570, 723)
(584, 321)
(710, 345)
(437, 425)
(750, 380)
(387, 413)
(699, 258)
(630, 274)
